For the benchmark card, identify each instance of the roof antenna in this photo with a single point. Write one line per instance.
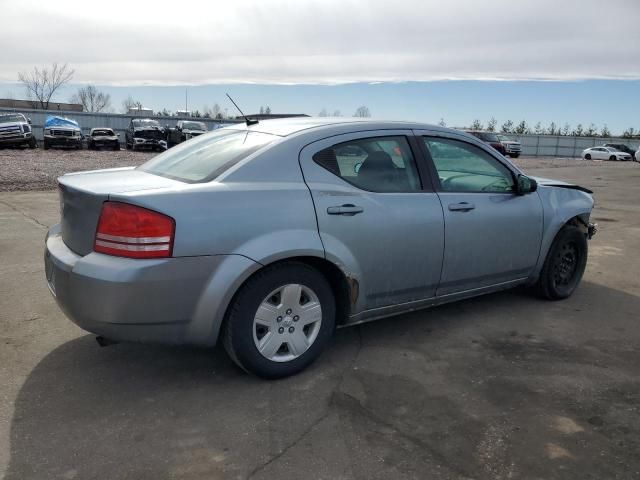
(247, 121)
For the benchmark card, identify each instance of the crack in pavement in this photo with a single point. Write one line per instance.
(25, 215)
(353, 405)
(320, 419)
(306, 432)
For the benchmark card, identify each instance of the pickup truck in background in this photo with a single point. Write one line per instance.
(15, 130)
(511, 147)
(184, 130)
(145, 133)
(489, 138)
(62, 132)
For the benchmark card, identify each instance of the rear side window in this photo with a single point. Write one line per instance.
(378, 164)
(206, 157)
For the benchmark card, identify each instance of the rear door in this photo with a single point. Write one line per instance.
(492, 235)
(378, 216)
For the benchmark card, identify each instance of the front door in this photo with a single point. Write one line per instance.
(378, 218)
(492, 235)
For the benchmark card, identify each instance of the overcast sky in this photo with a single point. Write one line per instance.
(322, 41)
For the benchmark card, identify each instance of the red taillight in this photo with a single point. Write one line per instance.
(128, 231)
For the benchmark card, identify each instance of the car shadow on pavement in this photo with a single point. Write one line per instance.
(500, 386)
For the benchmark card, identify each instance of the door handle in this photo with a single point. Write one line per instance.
(461, 207)
(346, 209)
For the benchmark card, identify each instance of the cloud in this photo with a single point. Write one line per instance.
(322, 41)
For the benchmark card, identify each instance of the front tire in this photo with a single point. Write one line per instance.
(613, 158)
(280, 320)
(565, 264)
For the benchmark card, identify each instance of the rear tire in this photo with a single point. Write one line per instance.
(587, 156)
(613, 158)
(280, 320)
(565, 264)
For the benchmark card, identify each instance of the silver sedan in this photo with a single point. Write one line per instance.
(269, 236)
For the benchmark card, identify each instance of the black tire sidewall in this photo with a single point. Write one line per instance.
(548, 288)
(238, 328)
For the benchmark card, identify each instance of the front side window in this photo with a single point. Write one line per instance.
(207, 156)
(463, 167)
(378, 164)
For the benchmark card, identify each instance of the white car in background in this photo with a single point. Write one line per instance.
(638, 155)
(604, 153)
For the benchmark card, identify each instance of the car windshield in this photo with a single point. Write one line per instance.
(101, 133)
(194, 126)
(12, 117)
(145, 123)
(504, 138)
(206, 157)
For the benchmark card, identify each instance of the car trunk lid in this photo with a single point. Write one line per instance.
(82, 195)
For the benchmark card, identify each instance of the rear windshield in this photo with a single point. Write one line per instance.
(207, 156)
(98, 133)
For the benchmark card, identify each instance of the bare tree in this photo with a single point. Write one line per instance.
(507, 127)
(629, 133)
(323, 113)
(337, 113)
(212, 112)
(578, 131)
(267, 110)
(553, 130)
(591, 130)
(605, 131)
(491, 125)
(42, 83)
(522, 128)
(566, 129)
(362, 112)
(91, 99)
(442, 123)
(129, 103)
(537, 129)
(476, 125)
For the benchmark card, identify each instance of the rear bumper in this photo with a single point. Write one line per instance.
(167, 301)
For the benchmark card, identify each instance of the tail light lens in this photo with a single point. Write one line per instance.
(128, 231)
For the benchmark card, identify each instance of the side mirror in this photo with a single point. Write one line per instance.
(525, 185)
(29, 121)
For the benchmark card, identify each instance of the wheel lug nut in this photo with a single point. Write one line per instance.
(281, 330)
(291, 329)
(288, 311)
(296, 318)
(279, 319)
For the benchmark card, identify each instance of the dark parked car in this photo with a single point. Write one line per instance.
(621, 147)
(145, 133)
(489, 138)
(184, 130)
(15, 130)
(103, 138)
